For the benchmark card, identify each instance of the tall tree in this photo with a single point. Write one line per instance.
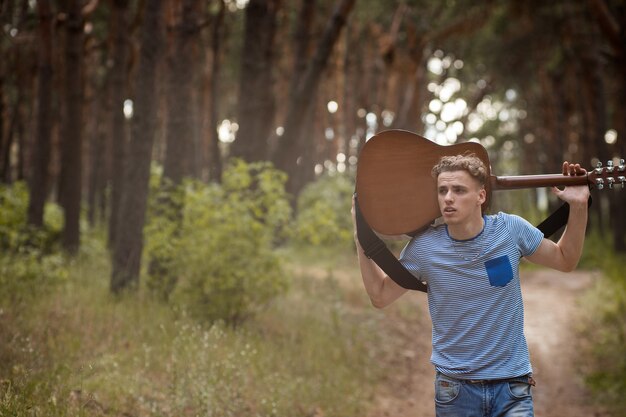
(611, 20)
(181, 76)
(291, 144)
(129, 236)
(181, 118)
(3, 83)
(214, 155)
(71, 158)
(118, 86)
(38, 183)
(302, 41)
(256, 95)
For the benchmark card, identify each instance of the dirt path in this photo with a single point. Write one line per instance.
(550, 300)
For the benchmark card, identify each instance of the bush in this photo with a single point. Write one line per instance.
(13, 206)
(15, 234)
(223, 255)
(163, 230)
(25, 276)
(323, 217)
(604, 335)
(29, 265)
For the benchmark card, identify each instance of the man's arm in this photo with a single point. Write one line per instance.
(565, 254)
(381, 289)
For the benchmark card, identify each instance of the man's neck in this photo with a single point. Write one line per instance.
(467, 230)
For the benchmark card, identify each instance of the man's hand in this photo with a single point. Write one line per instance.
(565, 254)
(573, 195)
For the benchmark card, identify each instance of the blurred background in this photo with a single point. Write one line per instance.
(176, 179)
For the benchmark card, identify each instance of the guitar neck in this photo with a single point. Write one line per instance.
(535, 181)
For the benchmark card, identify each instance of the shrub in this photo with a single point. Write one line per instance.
(15, 234)
(28, 263)
(323, 217)
(223, 255)
(25, 276)
(13, 206)
(604, 335)
(163, 230)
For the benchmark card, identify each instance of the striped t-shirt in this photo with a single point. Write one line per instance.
(474, 296)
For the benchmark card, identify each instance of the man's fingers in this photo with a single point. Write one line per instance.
(573, 169)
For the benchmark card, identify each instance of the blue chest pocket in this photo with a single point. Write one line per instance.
(499, 271)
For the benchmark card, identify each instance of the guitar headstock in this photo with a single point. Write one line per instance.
(608, 176)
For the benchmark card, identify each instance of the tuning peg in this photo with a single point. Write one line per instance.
(598, 169)
(610, 181)
(609, 166)
(621, 167)
(621, 179)
(599, 183)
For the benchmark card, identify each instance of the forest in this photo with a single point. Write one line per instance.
(183, 159)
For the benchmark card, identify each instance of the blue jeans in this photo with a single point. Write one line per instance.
(459, 398)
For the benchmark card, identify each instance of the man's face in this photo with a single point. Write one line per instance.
(460, 197)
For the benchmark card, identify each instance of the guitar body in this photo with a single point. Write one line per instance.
(396, 192)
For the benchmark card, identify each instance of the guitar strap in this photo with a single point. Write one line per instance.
(375, 249)
(557, 220)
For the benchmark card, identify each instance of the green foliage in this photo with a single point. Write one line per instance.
(99, 355)
(15, 234)
(23, 277)
(222, 255)
(163, 232)
(13, 206)
(29, 265)
(603, 330)
(323, 217)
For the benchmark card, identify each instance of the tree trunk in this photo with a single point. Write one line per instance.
(96, 198)
(129, 236)
(302, 42)
(256, 96)
(41, 153)
(353, 79)
(215, 157)
(617, 208)
(3, 85)
(613, 27)
(618, 220)
(179, 129)
(6, 171)
(413, 97)
(302, 46)
(292, 143)
(118, 86)
(71, 162)
(181, 81)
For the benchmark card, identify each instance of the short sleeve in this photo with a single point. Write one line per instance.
(527, 237)
(409, 259)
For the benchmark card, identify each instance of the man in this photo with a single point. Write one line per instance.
(470, 263)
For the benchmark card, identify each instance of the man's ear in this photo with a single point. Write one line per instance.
(482, 196)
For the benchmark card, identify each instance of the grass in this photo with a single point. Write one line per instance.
(603, 329)
(78, 351)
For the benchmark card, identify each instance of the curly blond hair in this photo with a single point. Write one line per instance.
(470, 163)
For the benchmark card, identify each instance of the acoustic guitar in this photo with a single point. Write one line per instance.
(397, 194)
